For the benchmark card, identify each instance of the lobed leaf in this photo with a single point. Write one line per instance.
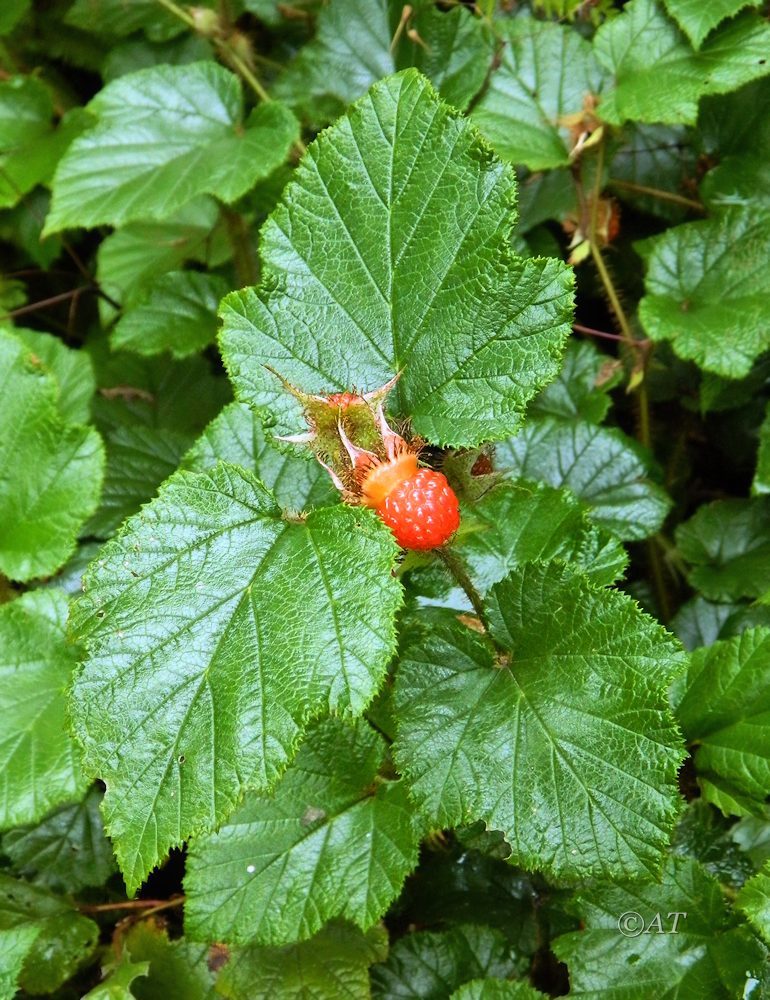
(658, 77)
(606, 469)
(565, 744)
(215, 628)
(709, 957)
(334, 840)
(706, 288)
(347, 300)
(126, 167)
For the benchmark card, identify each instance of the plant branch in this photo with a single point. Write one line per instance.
(148, 905)
(661, 195)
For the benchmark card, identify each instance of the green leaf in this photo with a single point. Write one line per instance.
(131, 258)
(606, 469)
(149, 420)
(727, 544)
(334, 840)
(429, 966)
(496, 989)
(330, 965)
(237, 436)
(351, 50)
(15, 945)
(475, 335)
(116, 985)
(178, 314)
(453, 48)
(723, 705)
(39, 762)
(660, 157)
(177, 969)
(707, 290)
(697, 19)
(518, 523)
(30, 146)
(116, 18)
(11, 14)
(700, 622)
(139, 53)
(52, 470)
(72, 371)
(659, 77)
(704, 834)
(738, 180)
(139, 459)
(581, 389)
(567, 746)
(67, 850)
(125, 169)
(709, 957)
(279, 619)
(546, 73)
(754, 901)
(63, 939)
(761, 483)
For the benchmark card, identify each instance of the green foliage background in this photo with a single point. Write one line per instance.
(250, 748)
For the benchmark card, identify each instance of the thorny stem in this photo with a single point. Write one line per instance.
(455, 566)
(677, 199)
(228, 53)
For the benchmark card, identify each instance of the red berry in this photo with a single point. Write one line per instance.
(421, 510)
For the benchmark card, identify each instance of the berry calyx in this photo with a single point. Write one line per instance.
(421, 510)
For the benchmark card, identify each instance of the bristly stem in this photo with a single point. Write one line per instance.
(639, 347)
(458, 571)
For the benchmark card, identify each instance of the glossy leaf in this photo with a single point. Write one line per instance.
(178, 315)
(727, 544)
(334, 840)
(547, 73)
(496, 989)
(59, 939)
(709, 957)
(279, 619)
(125, 169)
(475, 335)
(707, 290)
(723, 705)
(331, 964)
(579, 782)
(431, 965)
(602, 466)
(67, 850)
